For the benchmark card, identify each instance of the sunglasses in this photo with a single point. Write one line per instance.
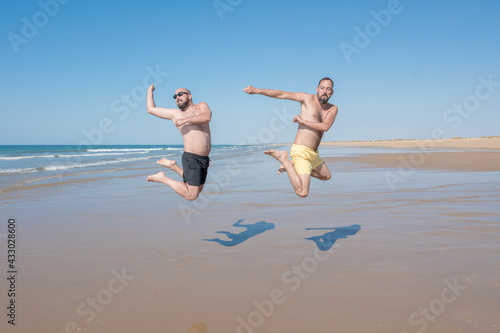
(180, 94)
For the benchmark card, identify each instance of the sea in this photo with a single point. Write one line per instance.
(29, 166)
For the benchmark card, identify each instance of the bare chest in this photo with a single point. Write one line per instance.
(312, 113)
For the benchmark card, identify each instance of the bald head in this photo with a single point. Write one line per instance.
(183, 98)
(183, 90)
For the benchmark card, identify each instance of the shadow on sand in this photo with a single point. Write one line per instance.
(251, 230)
(326, 241)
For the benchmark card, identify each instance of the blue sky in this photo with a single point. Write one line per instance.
(74, 70)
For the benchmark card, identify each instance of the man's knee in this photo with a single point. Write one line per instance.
(192, 196)
(302, 193)
(326, 177)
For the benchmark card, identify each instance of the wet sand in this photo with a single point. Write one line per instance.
(363, 253)
(431, 160)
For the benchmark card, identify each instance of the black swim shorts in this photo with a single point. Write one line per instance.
(195, 168)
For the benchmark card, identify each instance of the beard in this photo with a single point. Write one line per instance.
(183, 105)
(323, 99)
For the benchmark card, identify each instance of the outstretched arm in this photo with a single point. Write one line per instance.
(159, 112)
(298, 97)
(204, 116)
(319, 126)
(238, 224)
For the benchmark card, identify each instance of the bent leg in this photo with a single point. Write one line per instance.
(186, 191)
(282, 169)
(228, 234)
(300, 183)
(306, 182)
(220, 241)
(321, 172)
(172, 165)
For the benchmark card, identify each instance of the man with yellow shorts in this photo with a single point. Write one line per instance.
(304, 159)
(316, 117)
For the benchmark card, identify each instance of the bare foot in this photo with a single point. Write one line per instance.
(156, 178)
(166, 163)
(279, 155)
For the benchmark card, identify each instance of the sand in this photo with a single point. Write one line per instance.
(471, 154)
(378, 248)
(426, 159)
(465, 143)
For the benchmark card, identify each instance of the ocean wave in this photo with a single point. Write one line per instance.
(103, 154)
(84, 165)
(17, 171)
(226, 148)
(128, 149)
(14, 158)
(93, 153)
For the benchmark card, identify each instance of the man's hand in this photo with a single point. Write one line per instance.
(151, 87)
(250, 90)
(180, 122)
(298, 120)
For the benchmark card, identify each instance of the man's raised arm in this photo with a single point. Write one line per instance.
(293, 96)
(159, 112)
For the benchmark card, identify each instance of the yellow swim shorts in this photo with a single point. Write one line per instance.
(304, 159)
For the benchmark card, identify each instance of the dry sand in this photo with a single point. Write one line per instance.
(472, 154)
(472, 143)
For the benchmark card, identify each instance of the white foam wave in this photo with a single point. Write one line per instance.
(17, 171)
(93, 153)
(128, 150)
(102, 154)
(84, 165)
(227, 148)
(14, 158)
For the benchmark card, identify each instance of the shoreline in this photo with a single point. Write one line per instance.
(490, 142)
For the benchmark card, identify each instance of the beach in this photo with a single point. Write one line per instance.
(482, 154)
(460, 143)
(403, 238)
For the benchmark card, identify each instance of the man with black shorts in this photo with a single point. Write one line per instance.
(192, 121)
